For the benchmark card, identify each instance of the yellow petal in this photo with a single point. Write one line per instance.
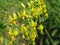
(33, 9)
(29, 4)
(14, 15)
(41, 27)
(44, 6)
(11, 18)
(46, 15)
(14, 22)
(33, 24)
(10, 32)
(24, 12)
(13, 38)
(22, 5)
(45, 10)
(15, 33)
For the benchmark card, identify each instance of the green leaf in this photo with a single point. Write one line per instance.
(56, 42)
(54, 33)
(47, 41)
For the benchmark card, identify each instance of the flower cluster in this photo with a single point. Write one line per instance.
(26, 22)
(13, 33)
(29, 17)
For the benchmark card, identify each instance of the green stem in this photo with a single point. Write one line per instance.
(12, 42)
(49, 37)
(41, 40)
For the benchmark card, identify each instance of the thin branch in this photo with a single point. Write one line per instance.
(49, 37)
(41, 40)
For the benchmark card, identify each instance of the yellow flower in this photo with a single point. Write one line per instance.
(10, 32)
(39, 2)
(13, 18)
(41, 27)
(44, 5)
(22, 5)
(29, 4)
(33, 35)
(14, 22)
(33, 24)
(24, 13)
(24, 30)
(14, 15)
(46, 15)
(10, 18)
(13, 38)
(15, 33)
(22, 16)
(45, 10)
(40, 9)
(33, 9)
